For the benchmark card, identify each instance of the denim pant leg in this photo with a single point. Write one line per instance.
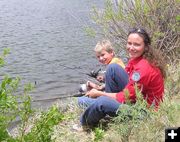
(99, 109)
(116, 78)
(85, 101)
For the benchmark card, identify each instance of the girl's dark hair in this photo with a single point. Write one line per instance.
(153, 55)
(143, 34)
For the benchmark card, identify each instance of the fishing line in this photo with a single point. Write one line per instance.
(59, 97)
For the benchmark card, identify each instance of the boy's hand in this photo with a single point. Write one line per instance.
(100, 78)
(90, 85)
(93, 93)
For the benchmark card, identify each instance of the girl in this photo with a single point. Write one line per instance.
(145, 68)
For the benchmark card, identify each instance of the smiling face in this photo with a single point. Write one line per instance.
(104, 57)
(135, 45)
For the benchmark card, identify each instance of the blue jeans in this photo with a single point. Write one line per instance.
(99, 109)
(116, 79)
(85, 101)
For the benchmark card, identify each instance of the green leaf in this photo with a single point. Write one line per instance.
(178, 18)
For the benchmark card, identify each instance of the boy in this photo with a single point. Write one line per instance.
(115, 77)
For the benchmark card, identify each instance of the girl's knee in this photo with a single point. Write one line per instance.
(82, 101)
(107, 102)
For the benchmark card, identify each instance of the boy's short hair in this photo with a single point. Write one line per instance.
(104, 45)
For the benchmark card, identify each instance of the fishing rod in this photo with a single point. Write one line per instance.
(82, 88)
(93, 73)
(79, 94)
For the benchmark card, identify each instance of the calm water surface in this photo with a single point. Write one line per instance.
(48, 44)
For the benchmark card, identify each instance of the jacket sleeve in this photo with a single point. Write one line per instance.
(130, 90)
(140, 76)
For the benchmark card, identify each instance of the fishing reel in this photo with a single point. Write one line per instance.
(83, 88)
(94, 73)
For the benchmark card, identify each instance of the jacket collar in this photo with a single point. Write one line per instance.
(135, 60)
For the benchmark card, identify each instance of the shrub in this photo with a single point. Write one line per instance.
(160, 18)
(10, 108)
(136, 122)
(13, 107)
(43, 128)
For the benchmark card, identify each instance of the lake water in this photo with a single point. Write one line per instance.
(48, 44)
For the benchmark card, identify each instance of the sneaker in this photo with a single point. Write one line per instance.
(77, 127)
(80, 128)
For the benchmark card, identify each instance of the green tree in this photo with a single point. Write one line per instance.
(159, 17)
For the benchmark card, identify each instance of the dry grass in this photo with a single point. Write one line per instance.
(147, 130)
(64, 132)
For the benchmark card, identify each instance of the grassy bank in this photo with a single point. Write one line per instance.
(150, 128)
(139, 127)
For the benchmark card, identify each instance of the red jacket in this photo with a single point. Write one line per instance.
(148, 78)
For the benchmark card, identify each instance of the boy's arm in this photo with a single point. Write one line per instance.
(92, 85)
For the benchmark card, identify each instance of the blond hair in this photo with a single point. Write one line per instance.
(104, 45)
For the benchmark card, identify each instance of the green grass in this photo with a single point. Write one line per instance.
(149, 128)
(135, 123)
